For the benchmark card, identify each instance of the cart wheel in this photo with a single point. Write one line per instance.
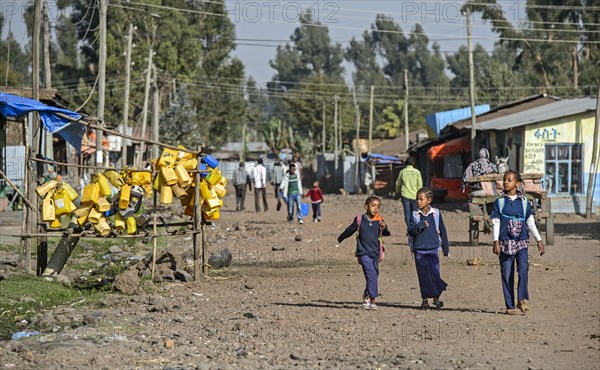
(474, 233)
(550, 229)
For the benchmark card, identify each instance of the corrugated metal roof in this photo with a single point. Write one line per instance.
(557, 109)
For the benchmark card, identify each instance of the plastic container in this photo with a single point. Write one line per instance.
(131, 225)
(105, 189)
(167, 158)
(220, 190)
(212, 215)
(70, 191)
(56, 224)
(102, 227)
(183, 178)
(204, 192)
(141, 178)
(178, 191)
(43, 189)
(124, 196)
(94, 216)
(114, 178)
(90, 195)
(203, 170)
(189, 164)
(210, 161)
(214, 177)
(48, 210)
(103, 205)
(80, 212)
(62, 203)
(157, 183)
(120, 224)
(304, 207)
(168, 176)
(166, 194)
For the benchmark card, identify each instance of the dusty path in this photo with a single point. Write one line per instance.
(300, 306)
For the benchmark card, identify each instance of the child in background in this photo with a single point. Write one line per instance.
(427, 233)
(316, 198)
(368, 252)
(512, 220)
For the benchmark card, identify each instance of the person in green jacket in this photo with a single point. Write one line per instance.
(408, 183)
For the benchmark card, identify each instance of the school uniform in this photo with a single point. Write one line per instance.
(426, 240)
(367, 250)
(511, 226)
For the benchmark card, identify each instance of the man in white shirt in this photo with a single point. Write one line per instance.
(259, 176)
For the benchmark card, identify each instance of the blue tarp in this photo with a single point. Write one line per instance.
(17, 106)
(437, 121)
(383, 159)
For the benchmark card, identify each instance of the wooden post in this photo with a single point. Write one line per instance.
(589, 202)
(24, 242)
(154, 216)
(197, 221)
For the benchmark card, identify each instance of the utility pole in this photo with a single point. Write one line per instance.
(594, 166)
(324, 132)
(371, 119)
(126, 98)
(8, 53)
(155, 113)
(357, 146)
(406, 131)
(101, 81)
(471, 84)
(335, 132)
(49, 145)
(147, 93)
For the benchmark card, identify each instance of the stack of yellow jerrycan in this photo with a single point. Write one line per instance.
(58, 197)
(124, 202)
(176, 178)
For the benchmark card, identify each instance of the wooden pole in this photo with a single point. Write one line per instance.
(406, 130)
(589, 202)
(155, 113)
(8, 42)
(357, 186)
(49, 145)
(34, 146)
(24, 242)
(126, 98)
(154, 216)
(371, 104)
(197, 221)
(335, 134)
(12, 184)
(471, 85)
(101, 81)
(324, 134)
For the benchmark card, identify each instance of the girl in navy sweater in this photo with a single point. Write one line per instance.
(427, 233)
(371, 228)
(512, 218)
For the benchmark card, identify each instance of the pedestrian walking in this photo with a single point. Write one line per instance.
(241, 179)
(369, 248)
(259, 176)
(427, 233)
(292, 189)
(407, 184)
(512, 221)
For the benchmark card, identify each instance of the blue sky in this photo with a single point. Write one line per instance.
(262, 25)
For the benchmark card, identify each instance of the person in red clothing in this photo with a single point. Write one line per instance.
(316, 198)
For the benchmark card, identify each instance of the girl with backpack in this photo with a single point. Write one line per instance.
(369, 246)
(512, 220)
(427, 233)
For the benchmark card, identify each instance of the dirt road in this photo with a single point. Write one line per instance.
(292, 298)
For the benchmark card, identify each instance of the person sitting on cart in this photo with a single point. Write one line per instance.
(481, 166)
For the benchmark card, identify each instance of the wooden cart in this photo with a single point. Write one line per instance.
(481, 203)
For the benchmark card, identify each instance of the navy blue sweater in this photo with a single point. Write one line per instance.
(512, 208)
(367, 243)
(426, 237)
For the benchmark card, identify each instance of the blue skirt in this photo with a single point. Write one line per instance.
(428, 272)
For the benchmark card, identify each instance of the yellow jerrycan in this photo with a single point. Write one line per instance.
(131, 225)
(178, 192)
(220, 190)
(105, 189)
(124, 196)
(168, 176)
(141, 178)
(214, 177)
(69, 189)
(183, 178)
(48, 210)
(212, 215)
(189, 164)
(103, 205)
(120, 224)
(43, 189)
(102, 227)
(62, 202)
(90, 195)
(167, 158)
(114, 177)
(80, 212)
(94, 216)
(158, 182)
(204, 192)
(166, 194)
(56, 224)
